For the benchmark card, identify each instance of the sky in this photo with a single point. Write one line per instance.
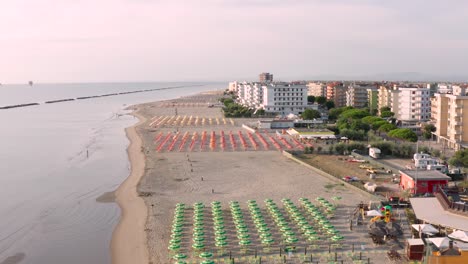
(224, 40)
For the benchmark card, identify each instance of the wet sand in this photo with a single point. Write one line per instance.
(128, 243)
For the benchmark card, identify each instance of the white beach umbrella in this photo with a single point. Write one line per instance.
(373, 213)
(425, 228)
(440, 242)
(459, 235)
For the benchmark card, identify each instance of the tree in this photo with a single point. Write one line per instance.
(310, 98)
(385, 109)
(377, 124)
(371, 119)
(427, 130)
(403, 133)
(386, 114)
(387, 127)
(320, 100)
(330, 104)
(460, 159)
(309, 114)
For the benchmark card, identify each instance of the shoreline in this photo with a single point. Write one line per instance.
(129, 241)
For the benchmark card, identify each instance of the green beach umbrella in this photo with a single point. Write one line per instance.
(198, 233)
(198, 229)
(265, 235)
(177, 225)
(176, 235)
(220, 232)
(198, 245)
(263, 229)
(175, 241)
(220, 238)
(221, 243)
(310, 232)
(243, 236)
(245, 242)
(198, 239)
(289, 233)
(267, 241)
(177, 230)
(292, 239)
(313, 238)
(179, 256)
(285, 229)
(206, 255)
(207, 261)
(180, 262)
(174, 247)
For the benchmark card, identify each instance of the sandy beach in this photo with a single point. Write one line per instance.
(166, 178)
(128, 243)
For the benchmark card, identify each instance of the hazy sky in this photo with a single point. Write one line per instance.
(164, 40)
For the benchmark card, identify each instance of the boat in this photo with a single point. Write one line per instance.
(30, 83)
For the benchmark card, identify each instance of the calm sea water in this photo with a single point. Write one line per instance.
(48, 181)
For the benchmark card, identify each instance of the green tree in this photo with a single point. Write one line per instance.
(377, 124)
(427, 130)
(310, 98)
(386, 114)
(320, 100)
(385, 109)
(387, 127)
(403, 133)
(330, 104)
(460, 159)
(371, 119)
(309, 114)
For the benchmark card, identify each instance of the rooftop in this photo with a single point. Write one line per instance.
(437, 215)
(425, 175)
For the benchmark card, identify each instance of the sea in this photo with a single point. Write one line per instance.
(57, 159)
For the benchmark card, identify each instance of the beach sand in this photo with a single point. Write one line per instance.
(171, 177)
(128, 243)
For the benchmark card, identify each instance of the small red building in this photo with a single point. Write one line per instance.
(422, 181)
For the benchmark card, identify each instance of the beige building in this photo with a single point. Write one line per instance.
(357, 96)
(316, 89)
(447, 113)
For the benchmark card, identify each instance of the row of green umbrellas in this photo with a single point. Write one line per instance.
(260, 225)
(241, 228)
(288, 235)
(319, 218)
(198, 235)
(218, 224)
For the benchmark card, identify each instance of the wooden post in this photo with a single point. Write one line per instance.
(280, 251)
(360, 255)
(352, 248)
(305, 250)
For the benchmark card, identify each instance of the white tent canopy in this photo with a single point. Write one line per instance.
(373, 213)
(440, 242)
(459, 235)
(425, 228)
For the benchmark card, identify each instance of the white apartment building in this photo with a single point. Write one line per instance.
(282, 98)
(410, 104)
(250, 94)
(233, 86)
(317, 89)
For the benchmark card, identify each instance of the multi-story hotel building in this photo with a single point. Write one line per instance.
(317, 89)
(447, 113)
(410, 104)
(336, 92)
(281, 98)
(357, 96)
